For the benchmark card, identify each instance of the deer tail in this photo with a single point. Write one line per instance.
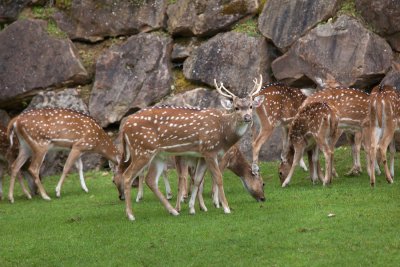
(10, 131)
(126, 154)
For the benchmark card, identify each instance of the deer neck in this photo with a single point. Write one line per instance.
(233, 129)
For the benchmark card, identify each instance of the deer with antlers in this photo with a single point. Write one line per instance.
(152, 133)
(384, 121)
(280, 105)
(40, 130)
(317, 123)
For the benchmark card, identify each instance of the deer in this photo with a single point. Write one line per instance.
(314, 127)
(40, 130)
(384, 121)
(152, 133)
(7, 154)
(281, 104)
(235, 161)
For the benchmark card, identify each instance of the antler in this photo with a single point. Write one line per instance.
(257, 86)
(219, 89)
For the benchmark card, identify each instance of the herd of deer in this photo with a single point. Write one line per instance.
(201, 139)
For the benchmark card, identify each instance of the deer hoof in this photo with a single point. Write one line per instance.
(169, 196)
(131, 217)
(11, 199)
(174, 212)
(227, 210)
(45, 197)
(192, 211)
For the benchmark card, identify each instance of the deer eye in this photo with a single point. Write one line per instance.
(251, 107)
(236, 108)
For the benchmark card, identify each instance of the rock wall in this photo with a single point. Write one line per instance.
(112, 58)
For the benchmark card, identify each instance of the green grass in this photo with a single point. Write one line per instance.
(248, 26)
(291, 228)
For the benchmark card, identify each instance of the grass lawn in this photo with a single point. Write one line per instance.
(291, 228)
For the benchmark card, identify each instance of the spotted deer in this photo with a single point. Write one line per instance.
(40, 130)
(7, 154)
(314, 127)
(233, 160)
(152, 133)
(280, 105)
(352, 109)
(384, 121)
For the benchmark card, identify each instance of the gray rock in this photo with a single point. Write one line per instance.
(131, 76)
(384, 17)
(232, 58)
(184, 48)
(93, 20)
(4, 118)
(10, 9)
(67, 98)
(335, 49)
(207, 17)
(285, 21)
(31, 59)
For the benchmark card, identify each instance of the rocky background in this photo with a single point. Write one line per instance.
(111, 58)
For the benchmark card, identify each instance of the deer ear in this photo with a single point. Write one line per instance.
(227, 104)
(258, 100)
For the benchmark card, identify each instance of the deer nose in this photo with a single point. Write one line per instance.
(262, 199)
(121, 197)
(247, 118)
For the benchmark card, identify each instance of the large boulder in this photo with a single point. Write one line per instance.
(10, 9)
(31, 59)
(384, 17)
(207, 17)
(344, 49)
(285, 21)
(131, 76)
(67, 98)
(232, 58)
(93, 20)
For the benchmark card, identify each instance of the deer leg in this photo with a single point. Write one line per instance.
(382, 148)
(375, 134)
(392, 149)
(262, 137)
(16, 166)
(212, 164)
(328, 163)
(182, 170)
(134, 169)
(200, 195)
(168, 190)
(355, 142)
(139, 195)
(316, 171)
(79, 166)
(34, 168)
(298, 152)
(197, 179)
(303, 164)
(214, 194)
(155, 170)
(21, 182)
(72, 157)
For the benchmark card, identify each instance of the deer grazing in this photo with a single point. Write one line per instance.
(40, 130)
(235, 161)
(7, 154)
(152, 133)
(317, 123)
(280, 105)
(384, 121)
